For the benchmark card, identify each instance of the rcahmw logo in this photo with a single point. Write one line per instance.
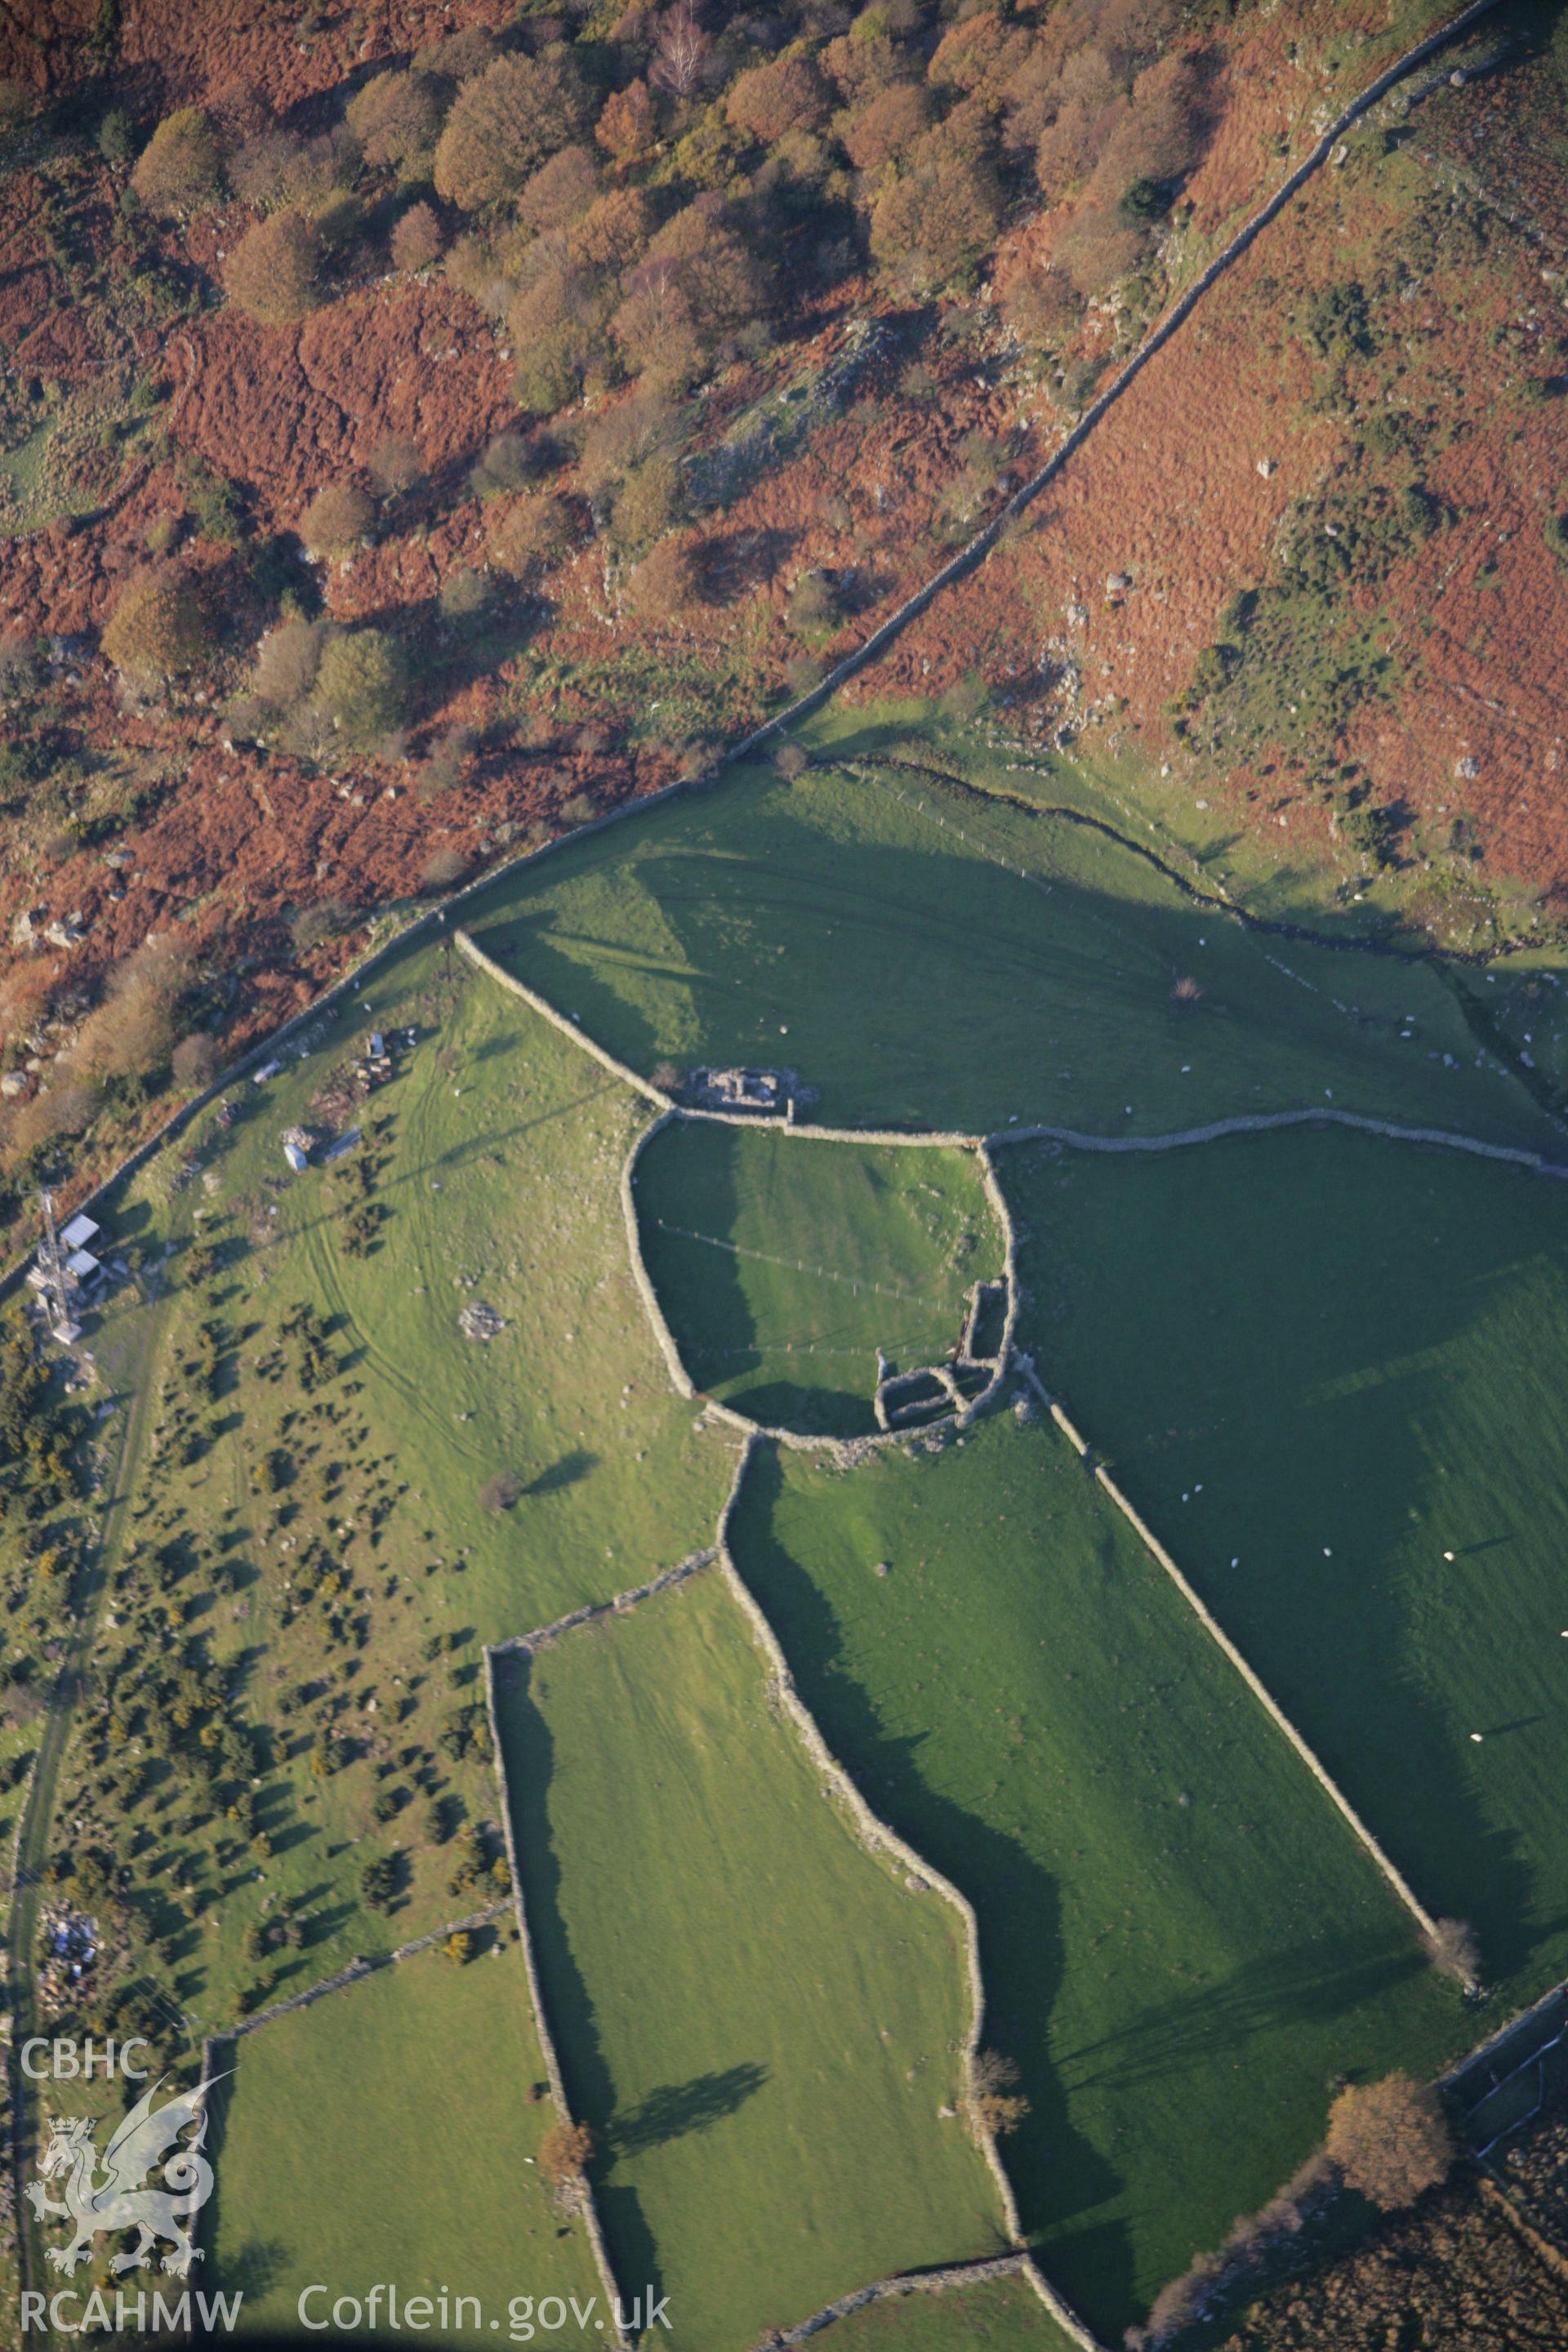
(120, 2313)
(103, 2195)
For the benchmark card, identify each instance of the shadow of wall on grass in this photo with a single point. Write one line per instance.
(693, 1172)
(1224, 1314)
(1056, 2173)
(927, 981)
(528, 1760)
(672, 2110)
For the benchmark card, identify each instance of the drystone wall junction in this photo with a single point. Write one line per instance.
(920, 1878)
(1009, 1360)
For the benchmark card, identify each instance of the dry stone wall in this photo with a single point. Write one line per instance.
(587, 2206)
(469, 946)
(1397, 1880)
(878, 1839)
(1268, 1122)
(955, 2275)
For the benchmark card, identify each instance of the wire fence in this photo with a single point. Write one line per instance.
(792, 1265)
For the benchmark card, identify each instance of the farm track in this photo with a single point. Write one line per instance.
(38, 1814)
(433, 922)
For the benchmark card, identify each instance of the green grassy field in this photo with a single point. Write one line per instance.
(1330, 1372)
(383, 2135)
(1182, 1944)
(757, 2016)
(812, 1255)
(1001, 2314)
(926, 960)
(330, 1549)
(500, 1168)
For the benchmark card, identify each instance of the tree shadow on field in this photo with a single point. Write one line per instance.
(222, 2057)
(674, 2109)
(528, 1761)
(519, 941)
(579, 1464)
(254, 2268)
(814, 1412)
(498, 1048)
(258, 2263)
(1057, 2174)
(1335, 1977)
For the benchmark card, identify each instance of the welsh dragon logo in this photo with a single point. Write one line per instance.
(118, 2200)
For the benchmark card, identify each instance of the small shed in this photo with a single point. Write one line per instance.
(78, 1232)
(296, 1158)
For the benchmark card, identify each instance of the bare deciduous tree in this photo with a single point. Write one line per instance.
(534, 533)
(681, 48)
(625, 126)
(195, 1060)
(287, 663)
(273, 271)
(1454, 1951)
(179, 167)
(770, 99)
(397, 464)
(395, 117)
(992, 2105)
(337, 519)
(565, 2151)
(664, 585)
(416, 240)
